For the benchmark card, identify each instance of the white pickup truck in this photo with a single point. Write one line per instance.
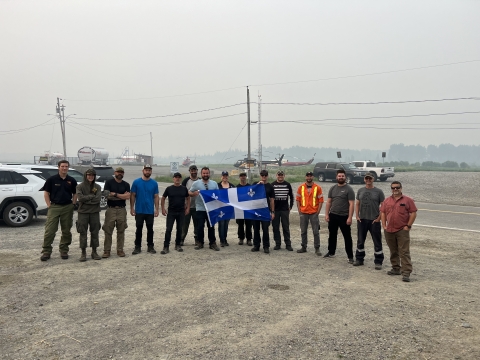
(382, 173)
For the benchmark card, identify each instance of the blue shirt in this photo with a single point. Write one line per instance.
(200, 185)
(145, 191)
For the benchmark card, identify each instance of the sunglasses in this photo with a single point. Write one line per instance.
(395, 188)
(206, 186)
(263, 175)
(368, 178)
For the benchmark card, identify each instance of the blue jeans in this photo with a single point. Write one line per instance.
(222, 230)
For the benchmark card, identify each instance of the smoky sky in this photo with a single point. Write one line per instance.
(180, 70)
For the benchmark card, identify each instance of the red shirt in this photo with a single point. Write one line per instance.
(397, 212)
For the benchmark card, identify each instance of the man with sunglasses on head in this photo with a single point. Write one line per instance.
(257, 224)
(367, 212)
(188, 182)
(203, 184)
(398, 213)
(244, 225)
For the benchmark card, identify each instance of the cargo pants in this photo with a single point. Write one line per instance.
(115, 217)
(399, 245)
(314, 220)
(83, 223)
(64, 215)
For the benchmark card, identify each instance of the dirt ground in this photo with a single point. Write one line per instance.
(235, 304)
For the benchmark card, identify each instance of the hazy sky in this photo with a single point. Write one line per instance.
(136, 59)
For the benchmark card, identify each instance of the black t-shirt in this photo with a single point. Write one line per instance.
(240, 185)
(61, 190)
(270, 192)
(118, 188)
(176, 197)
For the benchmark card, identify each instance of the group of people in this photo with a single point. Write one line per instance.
(372, 210)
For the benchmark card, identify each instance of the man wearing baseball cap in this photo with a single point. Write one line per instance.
(283, 204)
(116, 214)
(257, 224)
(244, 225)
(187, 182)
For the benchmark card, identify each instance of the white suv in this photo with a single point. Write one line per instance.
(49, 170)
(21, 195)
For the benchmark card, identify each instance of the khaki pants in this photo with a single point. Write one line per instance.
(83, 223)
(399, 244)
(115, 217)
(56, 213)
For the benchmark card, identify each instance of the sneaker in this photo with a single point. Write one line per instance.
(277, 247)
(350, 261)
(303, 249)
(289, 247)
(151, 250)
(45, 256)
(406, 278)
(226, 243)
(165, 250)
(240, 242)
(255, 248)
(199, 246)
(214, 246)
(266, 250)
(249, 243)
(317, 252)
(393, 272)
(378, 266)
(178, 248)
(328, 255)
(358, 263)
(136, 251)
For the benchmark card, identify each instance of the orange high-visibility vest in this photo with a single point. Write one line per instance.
(309, 203)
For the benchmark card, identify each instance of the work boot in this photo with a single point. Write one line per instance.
(178, 248)
(151, 250)
(240, 242)
(214, 246)
(277, 247)
(289, 247)
(249, 242)
(165, 250)
(394, 272)
(358, 263)
(121, 253)
(95, 256)
(226, 243)
(266, 250)
(64, 255)
(106, 254)
(255, 248)
(83, 257)
(45, 256)
(222, 244)
(136, 251)
(317, 252)
(406, 278)
(378, 266)
(303, 249)
(181, 243)
(198, 246)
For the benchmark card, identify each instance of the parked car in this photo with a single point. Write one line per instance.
(45, 171)
(21, 195)
(328, 171)
(382, 173)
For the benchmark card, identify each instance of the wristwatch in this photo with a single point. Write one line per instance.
(409, 226)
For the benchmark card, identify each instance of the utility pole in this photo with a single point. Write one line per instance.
(259, 132)
(151, 147)
(249, 154)
(61, 117)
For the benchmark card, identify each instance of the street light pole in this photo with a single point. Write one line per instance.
(61, 117)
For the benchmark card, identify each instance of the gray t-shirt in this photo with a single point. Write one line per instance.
(200, 185)
(340, 196)
(370, 200)
(188, 184)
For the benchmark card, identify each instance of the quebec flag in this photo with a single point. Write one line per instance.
(248, 202)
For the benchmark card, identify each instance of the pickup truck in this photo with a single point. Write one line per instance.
(324, 171)
(382, 173)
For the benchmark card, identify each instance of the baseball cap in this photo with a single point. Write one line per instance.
(369, 174)
(264, 172)
(280, 172)
(119, 169)
(242, 174)
(224, 173)
(90, 171)
(309, 173)
(193, 167)
(177, 174)
(147, 166)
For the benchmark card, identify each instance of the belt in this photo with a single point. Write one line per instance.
(116, 207)
(60, 204)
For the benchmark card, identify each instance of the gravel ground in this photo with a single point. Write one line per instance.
(235, 304)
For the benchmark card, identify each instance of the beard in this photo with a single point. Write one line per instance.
(309, 181)
(341, 181)
(206, 177)
(119, 176)
(147, 175)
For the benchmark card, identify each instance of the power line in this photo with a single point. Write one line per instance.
(374, 103)
(234, 140)
(102, 137)
(16, 131)
(399, 128)
(102, 132)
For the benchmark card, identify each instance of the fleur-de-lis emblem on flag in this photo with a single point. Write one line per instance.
(251, 193)
(214, 196)
(221, 214)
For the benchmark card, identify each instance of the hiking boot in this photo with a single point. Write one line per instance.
(181, 243)
(303, 249)
(240, 242)
(83, 257)
(277, 247)
(165, 250)
(358, 263)
(214, 246)
(328, 255)
(222, 244)
(394, 272)
(350, 261)
(45, 256)
(178, 248)
(151, 250)
(199, 246)
(289, 247)
(106, 254)
(121, 253)
(64, 255)
(266, 250)
(136, 251)
(317, 252)
(406, 278)
(378, 266)
(255, 248)
(226, 243)
(95, 256)
(249, 242)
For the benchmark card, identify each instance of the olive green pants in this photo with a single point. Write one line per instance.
(64, 215)
(115, 217)
(83, 223)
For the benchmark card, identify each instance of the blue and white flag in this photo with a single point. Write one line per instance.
(248, 202)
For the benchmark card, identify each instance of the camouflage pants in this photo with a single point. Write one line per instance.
(115, 217)
(83, 223)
